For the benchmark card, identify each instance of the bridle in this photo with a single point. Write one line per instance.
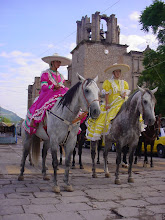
(142, 103)
(88, 104)
(77, 120)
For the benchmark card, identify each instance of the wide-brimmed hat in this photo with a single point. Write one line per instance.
(123, 67)
(64, 60)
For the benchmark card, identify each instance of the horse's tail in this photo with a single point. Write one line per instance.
(35, 149)
(23, 133)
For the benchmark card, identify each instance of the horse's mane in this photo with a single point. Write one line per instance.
(126, 104)
(69, 95)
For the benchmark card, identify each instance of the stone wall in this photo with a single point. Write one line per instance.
(90, 59)
(98, 49)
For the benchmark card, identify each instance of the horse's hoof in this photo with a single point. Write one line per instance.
(145, 165)
(69, 188)
(20, 178)
(125, 165)
(94, 175)
(81, 167)
(130, 180)
(117, 182)
(46, 177)
(107, 175)
(56, 189)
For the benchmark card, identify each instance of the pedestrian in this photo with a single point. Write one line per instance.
(52, 88)
(116, 92)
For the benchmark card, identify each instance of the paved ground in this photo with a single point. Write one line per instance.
(92, 199)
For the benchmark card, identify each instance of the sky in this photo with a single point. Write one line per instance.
(32, 29)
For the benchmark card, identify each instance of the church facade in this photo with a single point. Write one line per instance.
(97, 49)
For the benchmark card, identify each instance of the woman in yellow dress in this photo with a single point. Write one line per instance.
(116, 92)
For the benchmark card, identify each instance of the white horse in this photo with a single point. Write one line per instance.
(61, 128)
(125, 129)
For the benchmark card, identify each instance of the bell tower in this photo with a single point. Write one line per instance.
(96, 49)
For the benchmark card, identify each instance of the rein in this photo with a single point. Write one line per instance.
(77, 120)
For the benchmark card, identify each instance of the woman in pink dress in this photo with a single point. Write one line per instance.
(52, 88)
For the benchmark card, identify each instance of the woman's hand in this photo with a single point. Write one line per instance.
(123, 95)
(107, 107)
(56, 87)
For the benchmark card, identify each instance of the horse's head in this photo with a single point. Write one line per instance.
(148, 102)
(90, 96)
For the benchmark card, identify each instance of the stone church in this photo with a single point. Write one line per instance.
(97, 49)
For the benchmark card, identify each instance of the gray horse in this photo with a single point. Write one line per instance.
(61, 128)
(125, 129)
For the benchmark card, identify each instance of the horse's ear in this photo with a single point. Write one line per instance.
(154, 90)
(80, 78)
(140, 89)
(96, 79)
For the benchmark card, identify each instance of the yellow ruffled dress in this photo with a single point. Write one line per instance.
(114, 89)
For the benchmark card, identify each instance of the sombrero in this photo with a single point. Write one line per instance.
(123, 67)
(64, 60)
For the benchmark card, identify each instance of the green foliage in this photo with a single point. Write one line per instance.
(154, 17)
(5, 120)
(154, 61)
(154, 75)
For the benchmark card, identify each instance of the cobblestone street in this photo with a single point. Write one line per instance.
(92, 198)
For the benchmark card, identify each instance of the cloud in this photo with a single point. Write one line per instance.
(15, 76)
(14, 54)
(134, 16)
(139, 43)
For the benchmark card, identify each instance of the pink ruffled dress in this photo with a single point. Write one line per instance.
(46, 99)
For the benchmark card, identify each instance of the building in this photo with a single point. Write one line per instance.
(96, 49)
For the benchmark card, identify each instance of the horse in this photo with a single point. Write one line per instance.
(81, 137)
(62, 127)
(125, 129)
(148, 137)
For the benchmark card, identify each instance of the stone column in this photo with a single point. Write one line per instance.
(78, 40)
(96, 26)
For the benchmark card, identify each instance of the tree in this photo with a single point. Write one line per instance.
(154, 61)
(4, 119)
(154, 17)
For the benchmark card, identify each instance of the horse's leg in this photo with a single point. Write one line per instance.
(145, 155)
(60, 163)
(45, 148)
(80, 151)
(118, 161)
(105, 155)
(30, 158)
(93, 154)
(68, 152)
(138, 150)
(54, 147)
(151, 163)
(98, 152)
(26, 149)
(125, 151)
(131, 155)
(73, 161)
(74, 151)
